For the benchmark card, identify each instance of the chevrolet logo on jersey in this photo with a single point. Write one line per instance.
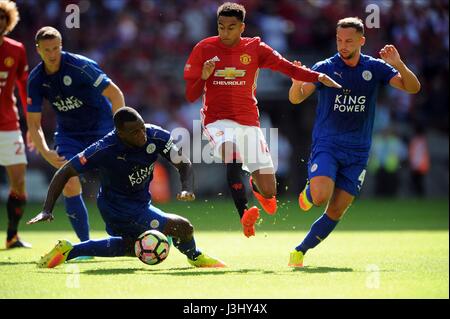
(229, 73)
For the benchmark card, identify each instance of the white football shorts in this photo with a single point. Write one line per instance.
(251, 144)
(12, 148)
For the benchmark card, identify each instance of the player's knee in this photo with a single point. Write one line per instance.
(320, 196)
(18, 186)
(268, 190)
(72, 188)
(183, 229)
(228, 152)
(187, 229)
(335, 214)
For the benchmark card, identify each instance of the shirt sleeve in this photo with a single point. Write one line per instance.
(88, 159)
(22, 77)
(94, 76)
(385, 71)
(35, 97)
(192, 75)
(194, 64)
(271, 59)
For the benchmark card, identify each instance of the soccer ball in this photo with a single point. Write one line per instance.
(152, 247)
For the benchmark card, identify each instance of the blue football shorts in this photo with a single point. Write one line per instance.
(130, 222)
(71, 146)
(345, 168)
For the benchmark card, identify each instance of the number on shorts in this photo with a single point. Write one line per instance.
(19, 149)
(361, 178)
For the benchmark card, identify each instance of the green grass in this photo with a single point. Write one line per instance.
(382, 249)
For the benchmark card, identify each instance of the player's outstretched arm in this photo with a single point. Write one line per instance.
(271, 59)
(38, 138)
(115, 96)
(184, 167)
(54, 190)
(327, 81)
(300, 90)
(187, 180)
(406, 80)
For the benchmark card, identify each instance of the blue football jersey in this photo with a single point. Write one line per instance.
(344, 117)
(125, 172)
(75, 93)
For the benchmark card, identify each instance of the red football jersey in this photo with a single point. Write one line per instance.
(13, 69)
(230, 90)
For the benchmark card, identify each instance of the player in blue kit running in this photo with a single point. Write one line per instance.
(342, 131)
(125, 158)
(84, 99)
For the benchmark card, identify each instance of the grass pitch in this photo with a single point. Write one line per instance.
(381, 249)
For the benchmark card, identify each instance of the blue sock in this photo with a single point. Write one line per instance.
(308, 193)
(77, 212)
(188, 248)
(321, 228)
(109, 247)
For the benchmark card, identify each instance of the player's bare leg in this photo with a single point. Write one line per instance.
(16, 204)
(264, 186)
(317, 192)
(72, 187)
(339, 204)
(248, 216)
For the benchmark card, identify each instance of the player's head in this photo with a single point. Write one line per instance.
(350, 37)
(230, 22)
(130, 127)
(49, 45)
(9, 16)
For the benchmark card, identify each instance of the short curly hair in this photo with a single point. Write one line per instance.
(12, 15)
(231, 9)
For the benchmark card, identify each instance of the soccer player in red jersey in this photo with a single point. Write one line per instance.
(13, 70)
(225, 68)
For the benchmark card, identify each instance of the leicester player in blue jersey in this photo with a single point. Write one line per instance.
(84, 99)
(343, 127)
(125, 158)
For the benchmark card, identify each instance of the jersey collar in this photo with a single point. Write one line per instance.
(223, 46)
(337, 59)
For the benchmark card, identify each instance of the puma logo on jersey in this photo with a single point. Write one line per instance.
(338, 74)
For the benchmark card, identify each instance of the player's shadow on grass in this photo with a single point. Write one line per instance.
(11, 263)
(321, 270)
(181, 271)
